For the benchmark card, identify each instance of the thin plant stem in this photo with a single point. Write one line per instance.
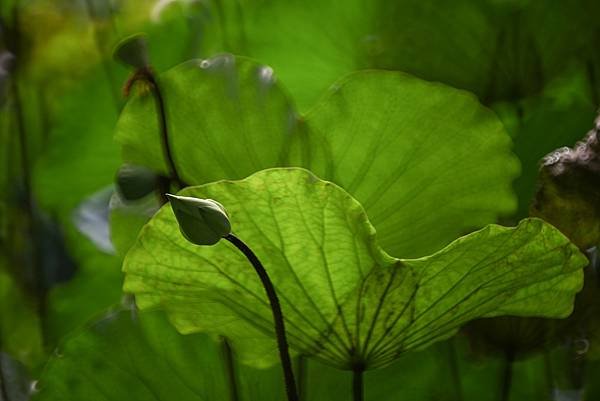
(357, 384)
(164, 129)
(39, 285)
(282, 344)
(145, 74)
(507, 376)
(230, 371)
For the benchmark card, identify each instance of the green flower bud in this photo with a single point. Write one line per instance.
(135, 182)
(201, 221)
(132, 51)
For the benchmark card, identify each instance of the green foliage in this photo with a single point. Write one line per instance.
(19, 325)
(344, 299)
(147, 361)
(540, 124)
(399, 145)
(428, 163)
(396, 143)
(498, 50)
(127, 219)
(150, 360)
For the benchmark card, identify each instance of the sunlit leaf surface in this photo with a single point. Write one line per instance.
(344, 299)
(427, 162)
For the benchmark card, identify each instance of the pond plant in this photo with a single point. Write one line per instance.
(315, 228)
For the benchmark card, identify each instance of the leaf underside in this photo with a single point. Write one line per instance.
(344, 299)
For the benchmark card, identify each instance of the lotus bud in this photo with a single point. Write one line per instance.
(132, 51)
(135, 182)
(201, 221)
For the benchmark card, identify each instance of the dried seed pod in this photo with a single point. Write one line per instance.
(568, 194)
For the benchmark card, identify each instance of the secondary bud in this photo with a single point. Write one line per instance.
(135, 182)
(132, 51)
(201, 221)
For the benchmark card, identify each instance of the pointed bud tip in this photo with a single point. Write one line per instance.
(201, 221)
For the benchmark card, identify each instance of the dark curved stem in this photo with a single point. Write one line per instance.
(284, 354)
(357, 384)
(39, 284)
(164, 130)
(507, 376)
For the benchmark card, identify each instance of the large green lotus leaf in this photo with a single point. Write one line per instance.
(428, 162)
(344, 299)
(227, 118)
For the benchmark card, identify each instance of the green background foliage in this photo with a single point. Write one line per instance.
(431, 116)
